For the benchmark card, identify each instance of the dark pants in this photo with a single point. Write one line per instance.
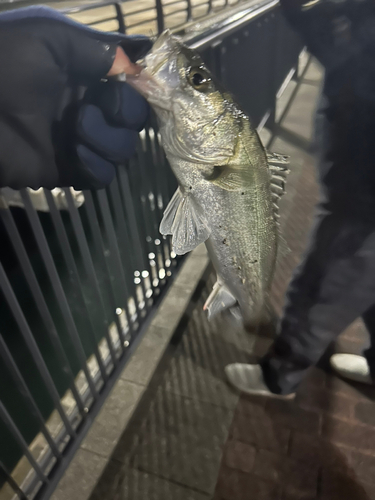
(335, 284)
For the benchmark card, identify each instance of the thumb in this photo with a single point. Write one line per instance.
(122, 64)
(104, 53)
(97, 54)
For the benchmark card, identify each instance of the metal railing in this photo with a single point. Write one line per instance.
(80, 280)
(77, 285)
(152, 18)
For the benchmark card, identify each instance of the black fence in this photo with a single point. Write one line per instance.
(82, 273)
(154, 15)
(78, 284)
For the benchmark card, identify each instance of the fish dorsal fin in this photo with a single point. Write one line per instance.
(219, 300)
(185, 221)
(278, 167)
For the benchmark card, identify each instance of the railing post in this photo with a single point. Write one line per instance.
(188, 10)
(160, 16)
(120, 18)
(272, 26)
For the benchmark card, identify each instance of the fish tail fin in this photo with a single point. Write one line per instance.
(252, 324)
(269, 320)
(234, 315)
(260, 317)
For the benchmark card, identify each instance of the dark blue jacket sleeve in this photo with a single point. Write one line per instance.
(60, 123)
(341, 35)
(326, 27)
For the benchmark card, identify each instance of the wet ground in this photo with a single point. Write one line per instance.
(194, 438)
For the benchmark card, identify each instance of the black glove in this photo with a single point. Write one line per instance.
(60, 124)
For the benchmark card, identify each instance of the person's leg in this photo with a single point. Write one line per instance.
(356, 367)
(336, 281)
(369, 320)
(333, 286)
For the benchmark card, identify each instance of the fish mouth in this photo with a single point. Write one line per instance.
(160, 75)
(151, 90)
(162, 51)
(165, 37)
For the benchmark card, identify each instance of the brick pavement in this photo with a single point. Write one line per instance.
(322, 446)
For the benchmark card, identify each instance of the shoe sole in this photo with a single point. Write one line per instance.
(271, 395)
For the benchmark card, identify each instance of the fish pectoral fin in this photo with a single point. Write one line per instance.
(219, 300)
(185, 221)
(231, 177)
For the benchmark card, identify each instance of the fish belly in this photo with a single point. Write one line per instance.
(242, 248)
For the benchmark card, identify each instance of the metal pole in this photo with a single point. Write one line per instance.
(40, 302)
(57, 287)
(7, 419)
(128, 200)
(189, 10)
(4, 471)
(100, 250)
(20, 319)
(160, 16)
(90, 271)
(120, 18)
(115, 254)
(127, 240)
(25, 392)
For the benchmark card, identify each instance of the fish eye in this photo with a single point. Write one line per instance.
(199, 78)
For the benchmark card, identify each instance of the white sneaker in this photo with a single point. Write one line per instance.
(249, 379)
(352, 367)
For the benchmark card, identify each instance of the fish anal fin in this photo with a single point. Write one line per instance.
(219, 300)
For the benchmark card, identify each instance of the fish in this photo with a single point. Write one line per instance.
(228, 185)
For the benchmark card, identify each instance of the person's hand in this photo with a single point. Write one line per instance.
(62, 123)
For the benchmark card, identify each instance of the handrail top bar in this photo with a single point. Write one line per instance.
(193, 38)
(88, 6)
(228, 25)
